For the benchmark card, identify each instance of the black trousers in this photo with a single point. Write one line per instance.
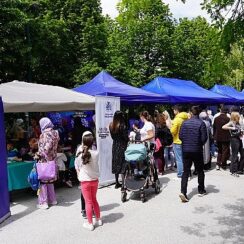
(188, 159)
(223, 153)
(236, 147)
(83, 204)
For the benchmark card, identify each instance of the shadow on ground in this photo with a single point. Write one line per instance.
(231, 225)
(112, 218)
(65, 197)
(210, 189)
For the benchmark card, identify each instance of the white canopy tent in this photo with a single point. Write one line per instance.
(21, 96)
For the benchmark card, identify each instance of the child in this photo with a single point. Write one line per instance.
(86, 165)
(12, 153)
(135, 134)
(63, 172)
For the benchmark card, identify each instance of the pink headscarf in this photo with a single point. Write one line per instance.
(45, 123)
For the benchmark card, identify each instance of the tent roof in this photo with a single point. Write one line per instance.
(229, 91)
(184, 91)
(21, 96)
(105, 85)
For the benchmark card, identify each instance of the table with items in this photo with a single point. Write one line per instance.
(18, 173)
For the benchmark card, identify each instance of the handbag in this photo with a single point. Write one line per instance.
(47, 172)
(158, 145)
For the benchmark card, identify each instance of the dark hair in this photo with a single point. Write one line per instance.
(178, 107)
(224, 109)
(195, 110)
(118, 120)
(161, 120)
(235, 109)
(146, 115)
(87, 142)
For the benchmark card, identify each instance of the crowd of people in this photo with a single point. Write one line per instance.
(194, 136)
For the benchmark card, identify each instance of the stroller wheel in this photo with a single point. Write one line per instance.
(143, 197)
(123, 196)
(157, 186)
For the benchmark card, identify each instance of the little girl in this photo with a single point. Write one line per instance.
(86, 164)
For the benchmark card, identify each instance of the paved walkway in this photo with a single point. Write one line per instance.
(216, 218)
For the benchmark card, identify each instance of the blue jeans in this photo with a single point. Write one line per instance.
(169, 157)
(178, 157)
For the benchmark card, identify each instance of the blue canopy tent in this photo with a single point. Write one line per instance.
(184, 91)
(4, 195)
(229, 91)
(105, 85)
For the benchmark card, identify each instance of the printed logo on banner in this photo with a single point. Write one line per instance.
(109, 110)
(103, 133)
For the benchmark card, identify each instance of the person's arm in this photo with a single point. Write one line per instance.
(174, 128)
(228, 126)
(204, 133)
(181, 133)
(78, 161)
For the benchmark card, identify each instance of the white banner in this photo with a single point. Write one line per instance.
(105, 109)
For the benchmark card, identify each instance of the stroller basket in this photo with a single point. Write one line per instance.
(135, 152)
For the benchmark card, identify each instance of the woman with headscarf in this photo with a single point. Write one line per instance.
(47, 151)
(119, 134)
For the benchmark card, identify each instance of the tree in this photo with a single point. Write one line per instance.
(13, 45)
(234, 66)
(139, 46)
(195, 47)
(229, 15)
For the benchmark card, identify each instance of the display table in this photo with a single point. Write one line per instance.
(17, 175)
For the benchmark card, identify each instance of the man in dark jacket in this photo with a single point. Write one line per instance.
(193, 135)
(222, 137)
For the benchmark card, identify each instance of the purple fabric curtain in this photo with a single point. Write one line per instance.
(4, 194)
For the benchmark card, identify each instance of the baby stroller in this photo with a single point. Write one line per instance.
(140, 170)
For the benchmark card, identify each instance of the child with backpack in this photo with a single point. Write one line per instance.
(86, 164)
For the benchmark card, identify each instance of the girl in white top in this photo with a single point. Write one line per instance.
(86, 165)
(148, 130)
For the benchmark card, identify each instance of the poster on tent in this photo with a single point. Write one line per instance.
(105, 109)
(4, 194)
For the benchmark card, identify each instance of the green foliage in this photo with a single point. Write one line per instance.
(67, 42)
(51, 42)
(13, 45)
(234, 66)
(139, 47)
(195, 44)
(229, 16)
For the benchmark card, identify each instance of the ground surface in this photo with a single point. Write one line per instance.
(216, 218)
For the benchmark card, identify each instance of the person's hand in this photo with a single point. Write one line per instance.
(36, 157)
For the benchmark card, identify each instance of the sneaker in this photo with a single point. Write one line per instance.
(240, 172)
(202, 193)
(53, 203)
(183, 198)
(88, 226)
(98, 222)
(83, 213)
(235, 174)
(217, 167)
(42, 206)
(69, 183)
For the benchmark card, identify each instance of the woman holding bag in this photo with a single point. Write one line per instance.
(47, 151)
